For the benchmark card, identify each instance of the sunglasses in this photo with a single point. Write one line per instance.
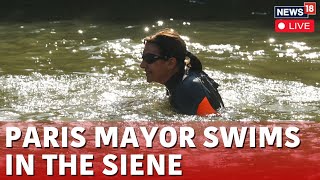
(151, 58)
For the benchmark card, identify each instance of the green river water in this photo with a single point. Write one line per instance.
(76, 70)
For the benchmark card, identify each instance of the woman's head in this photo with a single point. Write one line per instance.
(164, 55)
(169, 43)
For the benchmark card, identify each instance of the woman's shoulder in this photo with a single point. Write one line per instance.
(192, 79)
(191, 84)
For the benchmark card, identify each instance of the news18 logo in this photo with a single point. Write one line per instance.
(294, 18)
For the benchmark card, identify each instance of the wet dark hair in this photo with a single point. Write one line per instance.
(172, 45)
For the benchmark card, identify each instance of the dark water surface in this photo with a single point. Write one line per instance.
(76, 70)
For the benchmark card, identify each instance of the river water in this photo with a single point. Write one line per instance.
(77, 70)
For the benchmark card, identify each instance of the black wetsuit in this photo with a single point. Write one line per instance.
(194, 93)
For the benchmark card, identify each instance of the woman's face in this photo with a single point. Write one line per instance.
(156, 67)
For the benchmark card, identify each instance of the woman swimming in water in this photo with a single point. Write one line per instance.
(167, 61)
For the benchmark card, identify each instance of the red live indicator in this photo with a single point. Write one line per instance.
(294, 25)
